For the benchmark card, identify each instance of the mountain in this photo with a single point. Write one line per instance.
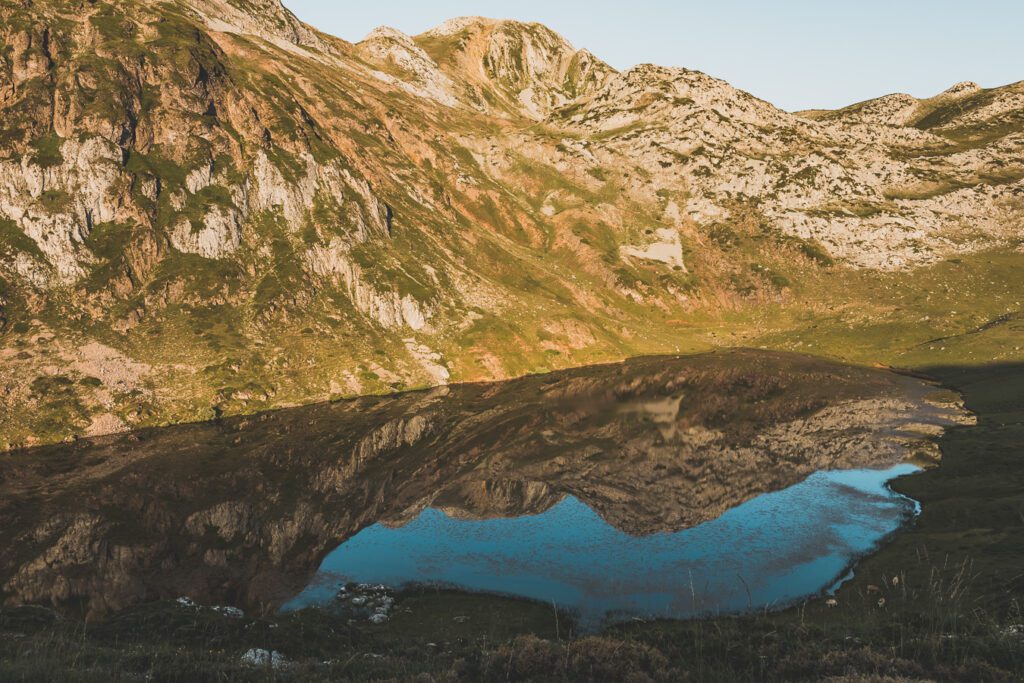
(211, 208)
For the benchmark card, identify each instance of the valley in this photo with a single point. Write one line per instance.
(275, 305)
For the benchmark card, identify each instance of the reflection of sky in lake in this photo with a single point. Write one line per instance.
(771, 550)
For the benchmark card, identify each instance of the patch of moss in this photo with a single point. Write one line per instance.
(108, 240)
(55, 201)
(59, 412)
(203, 277)
(387, 273)
(773, 277)
(723, 235)
(13, 241)
(46, 150)
(814, 250)
(156, 164)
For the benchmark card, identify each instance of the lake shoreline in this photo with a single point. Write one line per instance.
(804, 642)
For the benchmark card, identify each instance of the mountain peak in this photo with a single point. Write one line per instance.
(962, 88)
(459, 24)
(268, 19)
(387, 33)
(408, 64)
(525, 68)
(510, 30)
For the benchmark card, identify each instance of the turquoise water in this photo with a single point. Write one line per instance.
(768, 552)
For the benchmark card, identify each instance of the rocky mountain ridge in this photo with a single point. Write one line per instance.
(249, 213)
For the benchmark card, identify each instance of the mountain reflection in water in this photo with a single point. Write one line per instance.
(771, 550)
(245, 510)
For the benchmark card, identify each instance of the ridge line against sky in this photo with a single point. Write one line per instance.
(797, 54)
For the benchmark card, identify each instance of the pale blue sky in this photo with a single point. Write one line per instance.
(795, 53)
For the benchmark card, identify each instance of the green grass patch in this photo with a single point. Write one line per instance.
(13, 241)
(55, 201)
(46, 150)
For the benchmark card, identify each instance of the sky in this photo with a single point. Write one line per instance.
(797, 54)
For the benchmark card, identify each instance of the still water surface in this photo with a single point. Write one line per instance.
(769, 551)
(659, 486)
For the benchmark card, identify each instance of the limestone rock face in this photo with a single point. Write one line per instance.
(667, 248)
(219, 236)
(526, 68)
(264, 18)
(962, 88)
(416, 71)
(56, 206)
(389, 309)
(846, 179)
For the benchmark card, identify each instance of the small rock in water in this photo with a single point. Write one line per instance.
(359, 600)
(460, 620)
(232, 612)
(378, 618)
(186, 602)
(260, 657)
